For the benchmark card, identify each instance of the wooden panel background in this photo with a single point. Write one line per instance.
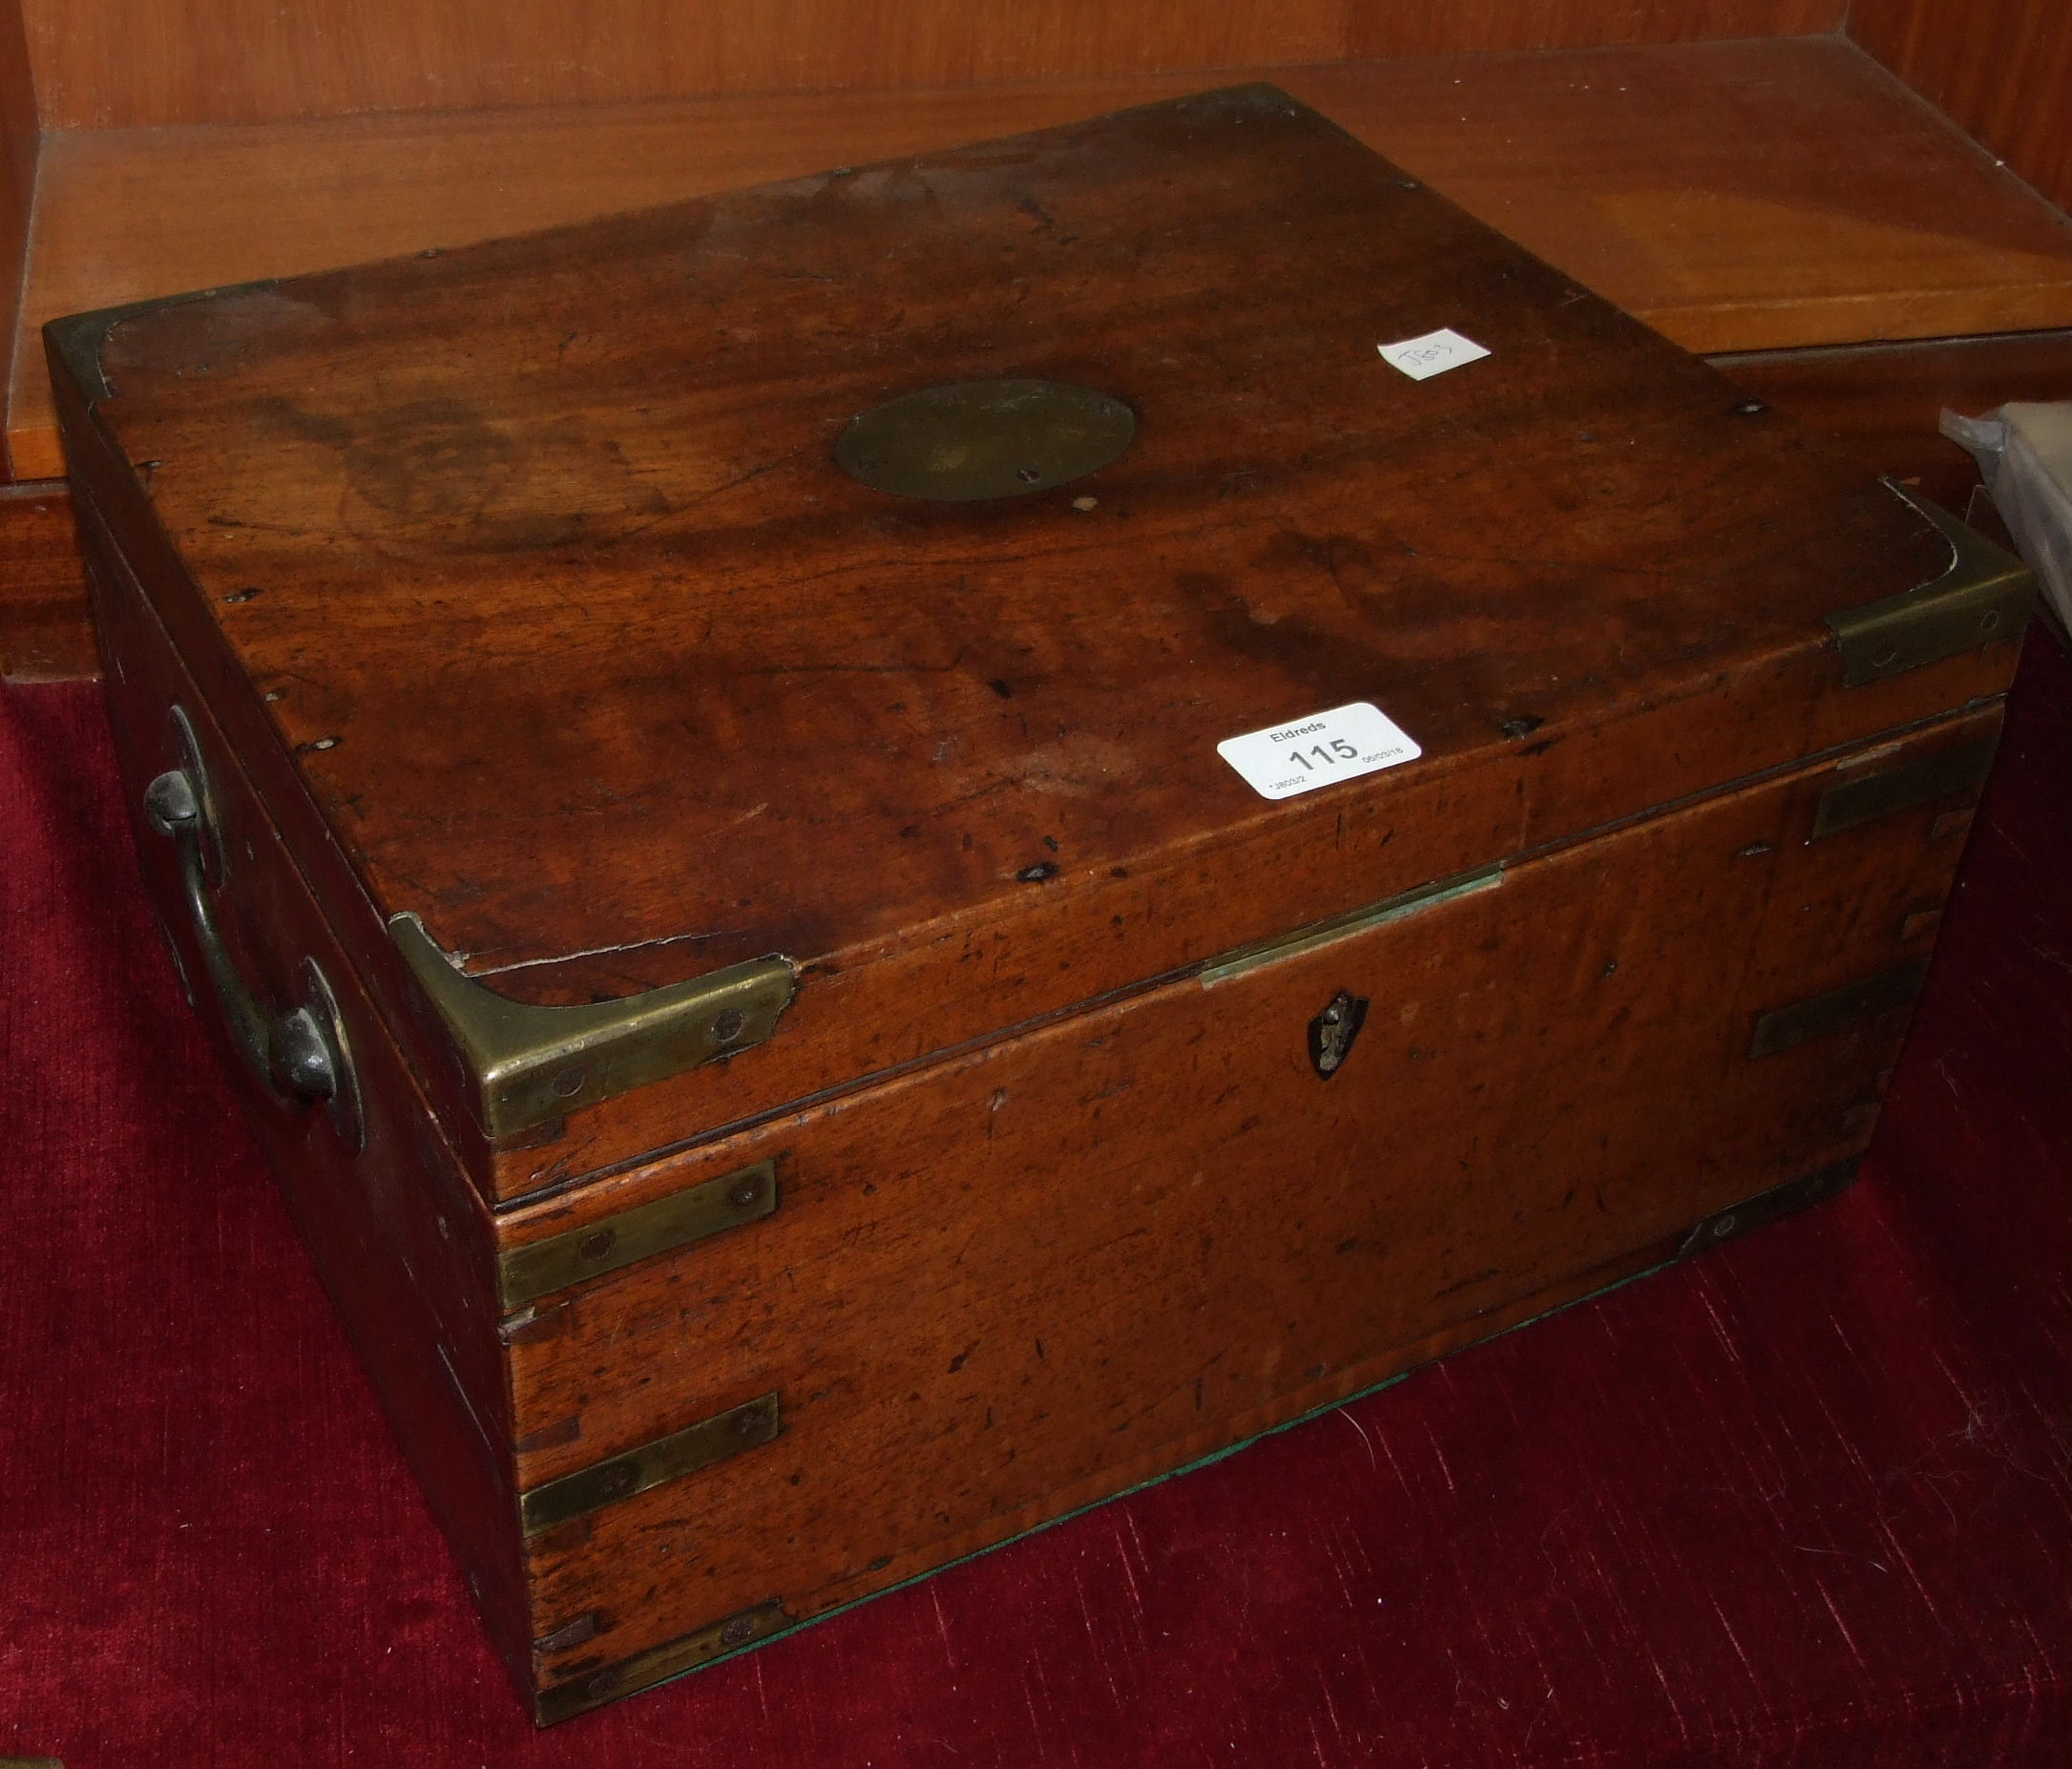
(45, 632)
(18, 137)
(1694, 184)
(1882, 400)
(115, 63)
(1379, 28)
(2001, 71)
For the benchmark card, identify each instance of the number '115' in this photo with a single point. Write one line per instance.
(1340, 750)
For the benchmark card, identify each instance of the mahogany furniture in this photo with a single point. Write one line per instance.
(797, 1057)
(1802, 1500)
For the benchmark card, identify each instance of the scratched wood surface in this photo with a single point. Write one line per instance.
(396, 1235)
(584, 574)
(999, 1291)
(1737, 195)
(1120, 1244)
(581, 595)
(1883, 402)
(1801, 1497)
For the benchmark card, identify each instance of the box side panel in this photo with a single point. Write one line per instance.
(399, 1240)
(115, 515)
(1019, 1282)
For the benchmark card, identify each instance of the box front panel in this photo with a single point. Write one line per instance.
(1023, 1280)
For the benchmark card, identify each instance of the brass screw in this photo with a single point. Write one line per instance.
(749, 1191)
(728, 1026)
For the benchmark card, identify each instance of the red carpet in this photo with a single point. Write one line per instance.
(1804, 1502)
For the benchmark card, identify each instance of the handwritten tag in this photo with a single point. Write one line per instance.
(1434, 353)
(1318, 750)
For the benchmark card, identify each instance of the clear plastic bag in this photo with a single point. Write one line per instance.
(2024, 452)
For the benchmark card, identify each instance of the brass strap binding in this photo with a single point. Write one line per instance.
(528, 1273)
(657, 1664)
(1821, 1016)
(682, 1452)
(1864, 797)
(1766, 1207)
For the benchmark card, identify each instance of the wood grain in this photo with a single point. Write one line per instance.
(1735, 197)
(45, 632)
(1882, 401)
(213, 61)
(19, 137)
(1878, 402)
(515, 586)
(1025, 1281)
(1747, 196)
(1389, 28)
(395, 1233)
(532, 524)
(129, 63)
(1126, 1241)
(2001, 68)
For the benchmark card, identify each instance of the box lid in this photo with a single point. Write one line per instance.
(579, 656)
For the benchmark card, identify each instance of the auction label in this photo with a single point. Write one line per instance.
(1318, 750)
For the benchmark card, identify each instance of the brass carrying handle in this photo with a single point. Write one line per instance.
(301, 1055)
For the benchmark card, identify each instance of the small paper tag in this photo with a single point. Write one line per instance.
(1434, 353)
(1318, 750)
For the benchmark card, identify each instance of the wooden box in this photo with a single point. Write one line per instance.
(689, 759)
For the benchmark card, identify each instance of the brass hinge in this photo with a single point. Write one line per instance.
(528, 1065)
(657, 1664)
(745, 1195)
(1985, 593)
(682, 1452)
(1818, 1016)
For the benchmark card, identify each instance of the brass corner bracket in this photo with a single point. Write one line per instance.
(530, 1065)
(1985, 593)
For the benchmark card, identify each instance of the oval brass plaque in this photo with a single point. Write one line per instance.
(978, 440)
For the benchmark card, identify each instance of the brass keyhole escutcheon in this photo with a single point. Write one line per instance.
(972, 440)
(1333, 1031)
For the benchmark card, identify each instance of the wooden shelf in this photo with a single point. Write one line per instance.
(1743, 196)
